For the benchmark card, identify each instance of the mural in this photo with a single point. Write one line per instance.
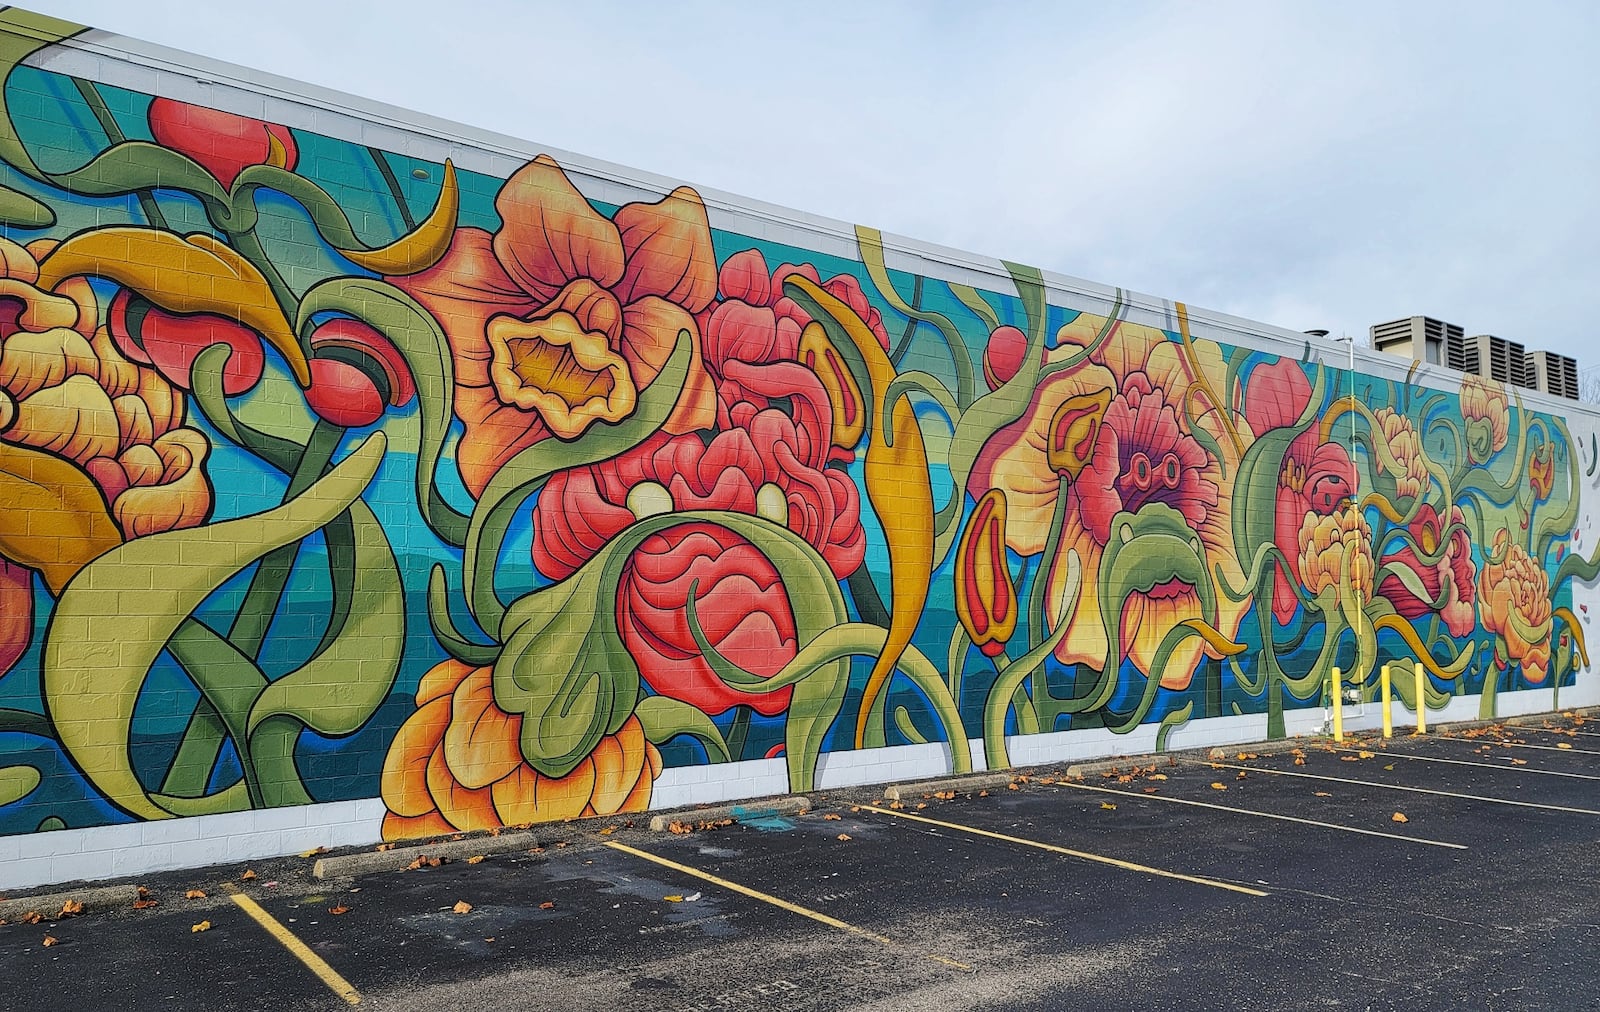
(328, 473)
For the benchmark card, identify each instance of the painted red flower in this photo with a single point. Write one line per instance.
(1453, 577)
(1316, 476)
(224, 143)
(356, 372)
(753, 335)
(765, 464)
(740, 603)
(559, 319)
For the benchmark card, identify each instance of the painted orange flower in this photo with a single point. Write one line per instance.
(1336, 548)
(1514, 604)
(97, 434)
(986, 599)
(559, 319)
(1487, 413)
(456, 765)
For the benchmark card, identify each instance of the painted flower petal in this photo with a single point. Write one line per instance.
(668, 245)
(551, 235)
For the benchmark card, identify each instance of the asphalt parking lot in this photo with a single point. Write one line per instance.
(1457, 870)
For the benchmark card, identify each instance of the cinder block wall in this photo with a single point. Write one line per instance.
(366, 476)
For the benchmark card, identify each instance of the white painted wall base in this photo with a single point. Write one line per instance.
(106, 852)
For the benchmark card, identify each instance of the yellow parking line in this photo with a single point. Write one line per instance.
(315, 963)
(793, 908)
(1393, 787)
(1266, 815)
(1469, 762)
(1517, 744)
(1084, 855)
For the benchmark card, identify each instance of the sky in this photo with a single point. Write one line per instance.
(1308, 165)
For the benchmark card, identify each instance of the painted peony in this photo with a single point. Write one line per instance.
(455, 765)
(1514, 603)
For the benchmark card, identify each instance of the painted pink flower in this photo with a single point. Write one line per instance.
(1144, 451)
(1316, 477)
(765, 464)
(561, 317)
(740, 603)
(1452, 578)
(755, 325)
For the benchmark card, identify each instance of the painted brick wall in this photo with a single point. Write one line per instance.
(365, 476)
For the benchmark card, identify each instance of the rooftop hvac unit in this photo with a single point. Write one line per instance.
(1554, 374)
(1499, 359)
(1417, 337)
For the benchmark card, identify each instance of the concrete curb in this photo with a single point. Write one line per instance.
(368, 862)
(95, 899)
(963, 785)
(796, 804)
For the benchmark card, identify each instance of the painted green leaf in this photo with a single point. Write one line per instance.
(119, 612)
(19, 210)
(664, 718)
(17, 782)
(338, 690)
(421, 341)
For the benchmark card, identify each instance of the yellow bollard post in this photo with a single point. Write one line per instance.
(1338, 706)
(1383, 688)
(1422, 699)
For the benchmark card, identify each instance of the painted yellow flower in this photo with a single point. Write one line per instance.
(1487, 413)
(1335, 548)
(1514, 603)
(1403, 441)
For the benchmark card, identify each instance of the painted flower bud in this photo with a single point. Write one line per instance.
(986, 599)
(1074, 429)
(224, 143)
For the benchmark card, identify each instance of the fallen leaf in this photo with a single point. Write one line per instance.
(983, 794)
(1009, 787)
(462, 907)
(1151, 790)
(144, 904)
(679, 828)
(1364, 755)
(844, 836)
(547, 905)
(202, 926)
(314, 851)
(1348, 759)
(1241, 776)
(50, 940)
(1219, 787)
(1562, 744)
(32, 917)
(1519, 762)
(896, 804)
(248, 876)
(608, 830)
(1108, 806)
(832, 817)
(384, 846)
(143, 893)
(945, 795)
(1324, 794)
(340, 909)
(1389, 767)
(71, 908)
(674, 898)
(195, 894)
(921, 805)
(1158, 776)
(1022, 778)
(475, 859)
(1399, 817)
(855, 808)
(1299, 761)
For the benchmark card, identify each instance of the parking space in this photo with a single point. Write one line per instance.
(1448, 871)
